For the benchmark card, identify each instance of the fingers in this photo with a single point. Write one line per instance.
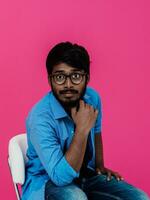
(98, 171)
(82, 104)
(73, 111)
(88, 106)
(96, 113)
(109, 176)
(115, 174)
(87, 111)
(118, 177)
(92, 111)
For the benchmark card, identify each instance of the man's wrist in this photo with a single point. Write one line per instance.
(81, 130)
(80, 136)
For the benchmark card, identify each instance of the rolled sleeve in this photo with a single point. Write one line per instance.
(63, 173)
(48, 149)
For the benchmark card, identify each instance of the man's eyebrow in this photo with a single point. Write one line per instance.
(59, 71)
(63, 71)
(76, 70)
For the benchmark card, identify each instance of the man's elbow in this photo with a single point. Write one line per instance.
(60, 181)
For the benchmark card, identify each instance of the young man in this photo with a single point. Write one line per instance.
(64, 137)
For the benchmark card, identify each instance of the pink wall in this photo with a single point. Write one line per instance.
(116, 34)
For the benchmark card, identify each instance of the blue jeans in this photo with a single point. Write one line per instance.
(94, 188)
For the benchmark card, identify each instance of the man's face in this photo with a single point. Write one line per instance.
(68, 93)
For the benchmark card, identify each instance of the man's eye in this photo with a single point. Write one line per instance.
(76, 76)
(60, 77)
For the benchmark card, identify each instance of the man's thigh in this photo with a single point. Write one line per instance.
(99, 188)
(69, 192)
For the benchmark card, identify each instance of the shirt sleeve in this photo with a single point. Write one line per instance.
(98, 124)
(46, 144)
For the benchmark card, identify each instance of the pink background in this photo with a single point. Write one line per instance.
(117, 36)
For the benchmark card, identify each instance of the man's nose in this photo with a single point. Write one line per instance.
(68, 83)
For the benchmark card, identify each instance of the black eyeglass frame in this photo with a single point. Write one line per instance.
(66, 76)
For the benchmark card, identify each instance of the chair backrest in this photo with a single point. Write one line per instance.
(17, 157)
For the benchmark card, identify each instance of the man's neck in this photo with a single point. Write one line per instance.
(68, 111)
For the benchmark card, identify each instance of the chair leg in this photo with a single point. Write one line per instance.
(17, 191)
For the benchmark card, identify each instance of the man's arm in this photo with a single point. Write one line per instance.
(99, 160)
(76, 151)
(84, 120)
(99, 157)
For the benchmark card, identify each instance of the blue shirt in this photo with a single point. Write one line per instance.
(49, 132)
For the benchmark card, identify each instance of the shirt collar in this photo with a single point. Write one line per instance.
(57, 108)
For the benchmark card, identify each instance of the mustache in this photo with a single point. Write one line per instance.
(70, 91)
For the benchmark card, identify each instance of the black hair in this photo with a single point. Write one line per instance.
(70, 54)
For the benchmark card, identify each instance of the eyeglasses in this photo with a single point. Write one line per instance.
(75, 77)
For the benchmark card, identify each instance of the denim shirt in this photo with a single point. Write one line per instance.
(49, 133)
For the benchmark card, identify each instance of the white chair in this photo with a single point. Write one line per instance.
(17, 159)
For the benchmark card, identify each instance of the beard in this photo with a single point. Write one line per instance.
(69, 103)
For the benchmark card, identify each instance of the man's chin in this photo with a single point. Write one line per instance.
(70, 104)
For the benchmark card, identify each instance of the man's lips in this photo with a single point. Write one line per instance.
(68, 92)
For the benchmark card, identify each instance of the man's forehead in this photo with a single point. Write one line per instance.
(63, 67)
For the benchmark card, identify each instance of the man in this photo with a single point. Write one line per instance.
(64, 137)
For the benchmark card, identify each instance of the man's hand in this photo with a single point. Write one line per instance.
(109, 173)
(85, 117)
